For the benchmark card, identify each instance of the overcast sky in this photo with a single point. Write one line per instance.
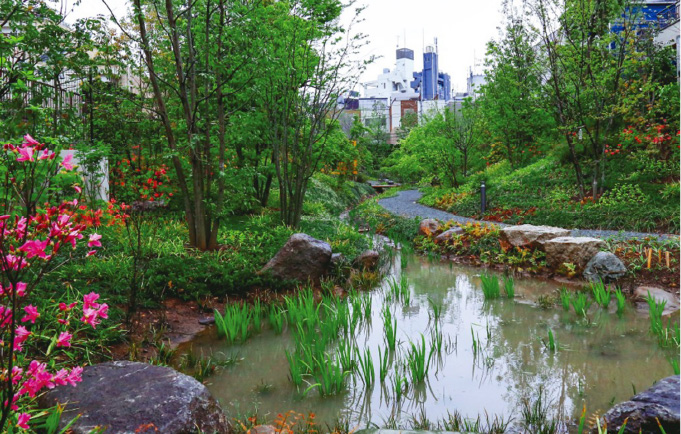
(462, 29)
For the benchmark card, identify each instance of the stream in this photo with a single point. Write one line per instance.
(495, 355)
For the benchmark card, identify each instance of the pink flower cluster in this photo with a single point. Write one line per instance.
(27, 245)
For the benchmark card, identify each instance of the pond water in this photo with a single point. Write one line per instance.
(598, 362)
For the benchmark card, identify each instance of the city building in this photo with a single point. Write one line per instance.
(401, 91)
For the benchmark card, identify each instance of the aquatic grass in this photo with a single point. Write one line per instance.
(674, 362)
(400, 385)
(366, 306)
(399, 290)
(436, 341)
(601, 293)
(346, 355)
(383, 364)
(296, 368)
(621, 300)
(490, 286)
(509, 286)
(551, 344)
(390, 328)
(276, 318)
(668, 334)
(417, 361)
(581, 303)
(435, 309)
(457, 423)
(234, 324)
(366, 367)
(565, 298)
(257, 316)
(330, 377)
(535, 414)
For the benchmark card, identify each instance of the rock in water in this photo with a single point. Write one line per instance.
(368, 260)
(447, 235)
(129, 397)
(530, 235)
(302, 258)
(660, 401)
(429, 227)
(571, 250)
(604, 266)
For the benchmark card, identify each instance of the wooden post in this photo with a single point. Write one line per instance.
(650, 257)
(667, 255)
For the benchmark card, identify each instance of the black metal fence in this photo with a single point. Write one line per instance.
(62, 108)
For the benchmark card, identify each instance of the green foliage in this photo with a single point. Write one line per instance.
(601, 294)
(490, 286)
(509, 286)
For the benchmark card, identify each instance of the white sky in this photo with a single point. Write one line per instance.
(462, 28)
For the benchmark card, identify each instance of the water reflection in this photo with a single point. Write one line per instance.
(494, 356)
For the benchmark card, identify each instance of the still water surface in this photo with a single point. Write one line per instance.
(597, 363)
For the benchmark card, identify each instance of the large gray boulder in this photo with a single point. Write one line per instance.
(429, 227)
(660, 401)
(530, 235)
(604, 266)
(302, 258)
(129, 397)
(573, 250)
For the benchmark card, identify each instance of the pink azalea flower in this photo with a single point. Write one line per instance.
(94, 240)
(74, 376)
(16, 375)
(5, 316)
(45, 155)
(20, 336)
(31, 314)
(78, 189)
(35, 248)
(66, 307)
(26, 154)
(21, 289)
(28, 140)
(22, 421)
(64, 339)
(67, 162)
(90, 253)
(90, 301)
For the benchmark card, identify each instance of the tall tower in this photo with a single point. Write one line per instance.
(430, 74)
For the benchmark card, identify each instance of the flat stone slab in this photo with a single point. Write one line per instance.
(572, 250)
(130, 397)
(531, 235)
(659, 295)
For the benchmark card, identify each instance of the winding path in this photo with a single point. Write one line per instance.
(405, 205)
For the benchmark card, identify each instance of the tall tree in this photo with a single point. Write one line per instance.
(310, 66)
(586, 69)
(196, 55)
(512, 103)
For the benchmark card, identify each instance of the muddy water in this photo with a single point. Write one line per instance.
(598, 362)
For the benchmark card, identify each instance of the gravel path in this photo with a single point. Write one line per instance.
(405, 204)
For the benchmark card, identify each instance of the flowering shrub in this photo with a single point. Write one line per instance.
(30, 240)
(138, 179)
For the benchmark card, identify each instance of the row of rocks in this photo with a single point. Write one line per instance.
(583, 252)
